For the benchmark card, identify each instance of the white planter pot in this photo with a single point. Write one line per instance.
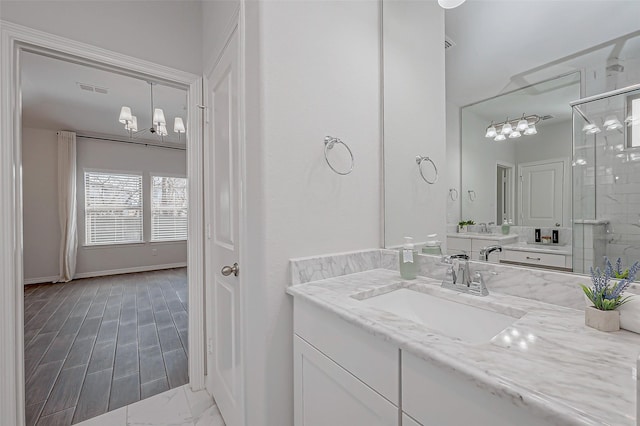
(462, 229)
(602, 320)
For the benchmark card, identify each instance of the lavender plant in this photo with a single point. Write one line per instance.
(606, 296)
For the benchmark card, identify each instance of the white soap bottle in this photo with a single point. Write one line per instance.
(408, 260)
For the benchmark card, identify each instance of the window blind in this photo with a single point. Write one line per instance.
(168, 208)
(113, 208)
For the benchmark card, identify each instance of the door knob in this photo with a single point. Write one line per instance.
(228, 270)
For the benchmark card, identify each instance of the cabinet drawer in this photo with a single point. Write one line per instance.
(458, 244)
(444, 397)
(543, 259)
(367, 357)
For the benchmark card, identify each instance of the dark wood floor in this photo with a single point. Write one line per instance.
(97, 344)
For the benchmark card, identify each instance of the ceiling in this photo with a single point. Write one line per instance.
(503, 45)
(52, 99)
(546, 98)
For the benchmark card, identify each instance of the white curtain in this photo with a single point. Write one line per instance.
(67, 205)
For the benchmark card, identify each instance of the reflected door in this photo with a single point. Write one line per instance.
(541, 193)
(224, 322)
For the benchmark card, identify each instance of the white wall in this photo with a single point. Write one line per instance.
(41, 227)
(479, 159)
(414, 118)
(313, 70)
(164, 32)
(41, 238)
(453, 163)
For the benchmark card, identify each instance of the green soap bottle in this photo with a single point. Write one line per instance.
(432, 246)
(408, 260)
(506, 227)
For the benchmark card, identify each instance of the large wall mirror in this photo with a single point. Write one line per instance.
(523, 72)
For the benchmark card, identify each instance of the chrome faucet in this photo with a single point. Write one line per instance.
(458, 276)
(483, 228)
(486, 251)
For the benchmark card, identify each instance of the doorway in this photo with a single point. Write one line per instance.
(505, 193)
(20, 42)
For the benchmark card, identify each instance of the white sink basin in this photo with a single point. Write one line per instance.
(457, 320)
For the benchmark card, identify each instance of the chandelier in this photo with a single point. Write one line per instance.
(158, 123)
(513, 129)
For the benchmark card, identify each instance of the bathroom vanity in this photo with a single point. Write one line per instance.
(373, 349)
(472, 242)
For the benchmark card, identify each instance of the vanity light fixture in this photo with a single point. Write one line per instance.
(591, 129)
(450, 4)
(531, 130)
(632, 120)
(491, 131)
(612, 123)
(514, 128)
(158, 121)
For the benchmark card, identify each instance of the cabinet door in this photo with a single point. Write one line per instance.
(326, 394)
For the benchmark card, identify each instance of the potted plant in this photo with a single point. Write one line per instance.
(463, 225)
(607, 297)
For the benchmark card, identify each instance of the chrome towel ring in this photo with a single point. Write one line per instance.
(453, 194)
(472, 195)
(329, 142)
(420, 160)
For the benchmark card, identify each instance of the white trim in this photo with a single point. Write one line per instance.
(41, 280)
(514, 170)
(14, 39)
(108, 272)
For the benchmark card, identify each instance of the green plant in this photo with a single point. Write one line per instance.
(604, 295)
(466, 222)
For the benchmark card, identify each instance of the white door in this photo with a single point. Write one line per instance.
(222, 164)
(541, 193)
(325, 394)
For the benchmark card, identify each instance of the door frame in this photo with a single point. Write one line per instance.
(566, 188)
(17, 38)
(512, 167)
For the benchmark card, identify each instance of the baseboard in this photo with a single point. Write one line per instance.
(40, 280)
(109, 272)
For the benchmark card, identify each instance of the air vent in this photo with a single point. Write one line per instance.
(448, 42)
(546, 117)
(92, 88)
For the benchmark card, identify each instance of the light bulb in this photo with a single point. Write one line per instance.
(632, 120)
(588, 127)
(178, 125)
(506, 128)
(450, 4)
(531, 130)
(515, 134)
(158, 117)
(125, 115)
(522, 125)
(133, 125)
(593, 130)
(610, 120)
(491, 132)
(162, 130)
(500, 137)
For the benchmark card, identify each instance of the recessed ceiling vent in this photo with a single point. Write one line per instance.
(448, 42)
(546, 117)
(92, 88)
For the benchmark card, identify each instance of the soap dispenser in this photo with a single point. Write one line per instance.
(432, 246)
(408, 260)
(506, 227)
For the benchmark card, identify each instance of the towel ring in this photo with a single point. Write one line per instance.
(451, 192)
(329, 142)
(472, 195)
(420, 160)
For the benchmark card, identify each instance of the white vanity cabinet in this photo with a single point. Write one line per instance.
(343, 376)
(442, 397)
(472, 244)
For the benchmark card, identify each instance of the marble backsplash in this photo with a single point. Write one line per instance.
(557, 288)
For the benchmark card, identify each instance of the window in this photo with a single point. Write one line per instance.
(168, 208)
(113, 208)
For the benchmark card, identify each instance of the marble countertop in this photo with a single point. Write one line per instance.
(538, 248)
(483, 236)
(548, 360)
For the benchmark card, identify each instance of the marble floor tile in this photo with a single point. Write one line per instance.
(199, 401)
(211, 417)
(167, 408)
